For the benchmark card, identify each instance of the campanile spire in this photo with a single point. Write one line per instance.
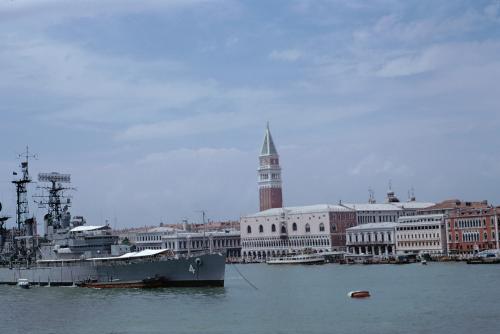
(270, 194)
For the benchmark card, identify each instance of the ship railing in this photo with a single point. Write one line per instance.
(199, 253)
(60, 262)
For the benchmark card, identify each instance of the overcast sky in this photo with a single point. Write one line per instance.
(158, 108)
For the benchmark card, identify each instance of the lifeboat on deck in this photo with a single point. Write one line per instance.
(359, 294)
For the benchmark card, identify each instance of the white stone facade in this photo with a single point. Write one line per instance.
(377, 239)
(375, 213)
(421, 234)
(280, 231)
(182, 242)
(385, 212)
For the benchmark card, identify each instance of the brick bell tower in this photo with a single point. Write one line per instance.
(270, 194)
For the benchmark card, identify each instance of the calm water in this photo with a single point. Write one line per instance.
(438, 298)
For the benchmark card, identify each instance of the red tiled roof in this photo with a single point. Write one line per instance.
(457, 204)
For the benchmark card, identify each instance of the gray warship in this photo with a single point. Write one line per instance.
(70, 252)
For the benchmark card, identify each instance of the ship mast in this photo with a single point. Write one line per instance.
(23, 238)
(22, 207)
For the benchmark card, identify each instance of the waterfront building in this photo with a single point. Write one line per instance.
(215, 226)
(377, 239)
(270, 192)
(471, 226)
(412, 207)
(152, 238)
(280, 231)
(375, 213)
(472, 229)
(422, 234)
(129, 235)
(451, 205)
(185, 242)
(390, 211)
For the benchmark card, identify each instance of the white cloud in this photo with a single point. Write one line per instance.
(200, 154)
(492, 10)
(198, 124)
(168, 185)
(374, 165)
(97, 88)
(290, 55)
(407, 65)
(53, 11)
(356, 107)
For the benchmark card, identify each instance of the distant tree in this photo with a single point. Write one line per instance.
(125, 241)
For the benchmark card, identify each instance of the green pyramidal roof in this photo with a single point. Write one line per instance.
(268, 147)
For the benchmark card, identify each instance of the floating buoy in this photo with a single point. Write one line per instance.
(358, 294)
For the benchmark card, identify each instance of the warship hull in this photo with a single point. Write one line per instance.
(191, 271)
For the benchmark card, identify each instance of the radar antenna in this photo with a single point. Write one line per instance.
(55, 199)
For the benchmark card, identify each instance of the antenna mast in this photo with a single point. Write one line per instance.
(22, 207)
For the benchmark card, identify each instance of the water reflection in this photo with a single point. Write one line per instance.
(206, 292)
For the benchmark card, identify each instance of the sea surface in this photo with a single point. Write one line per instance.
(437, 298)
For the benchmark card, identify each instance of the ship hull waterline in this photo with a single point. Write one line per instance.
(195, 271)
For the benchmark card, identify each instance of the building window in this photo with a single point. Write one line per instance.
(273, 228)
(283, 229)
(261, 228)
(322, 227)
(294, 227)
(249, 229)
(308, 228)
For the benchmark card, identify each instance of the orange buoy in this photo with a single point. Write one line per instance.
(359, 294)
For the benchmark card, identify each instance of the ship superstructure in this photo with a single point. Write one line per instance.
(67, 237)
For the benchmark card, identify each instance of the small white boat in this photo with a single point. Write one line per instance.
(424, 262)
(23, 283)
(298, 259)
